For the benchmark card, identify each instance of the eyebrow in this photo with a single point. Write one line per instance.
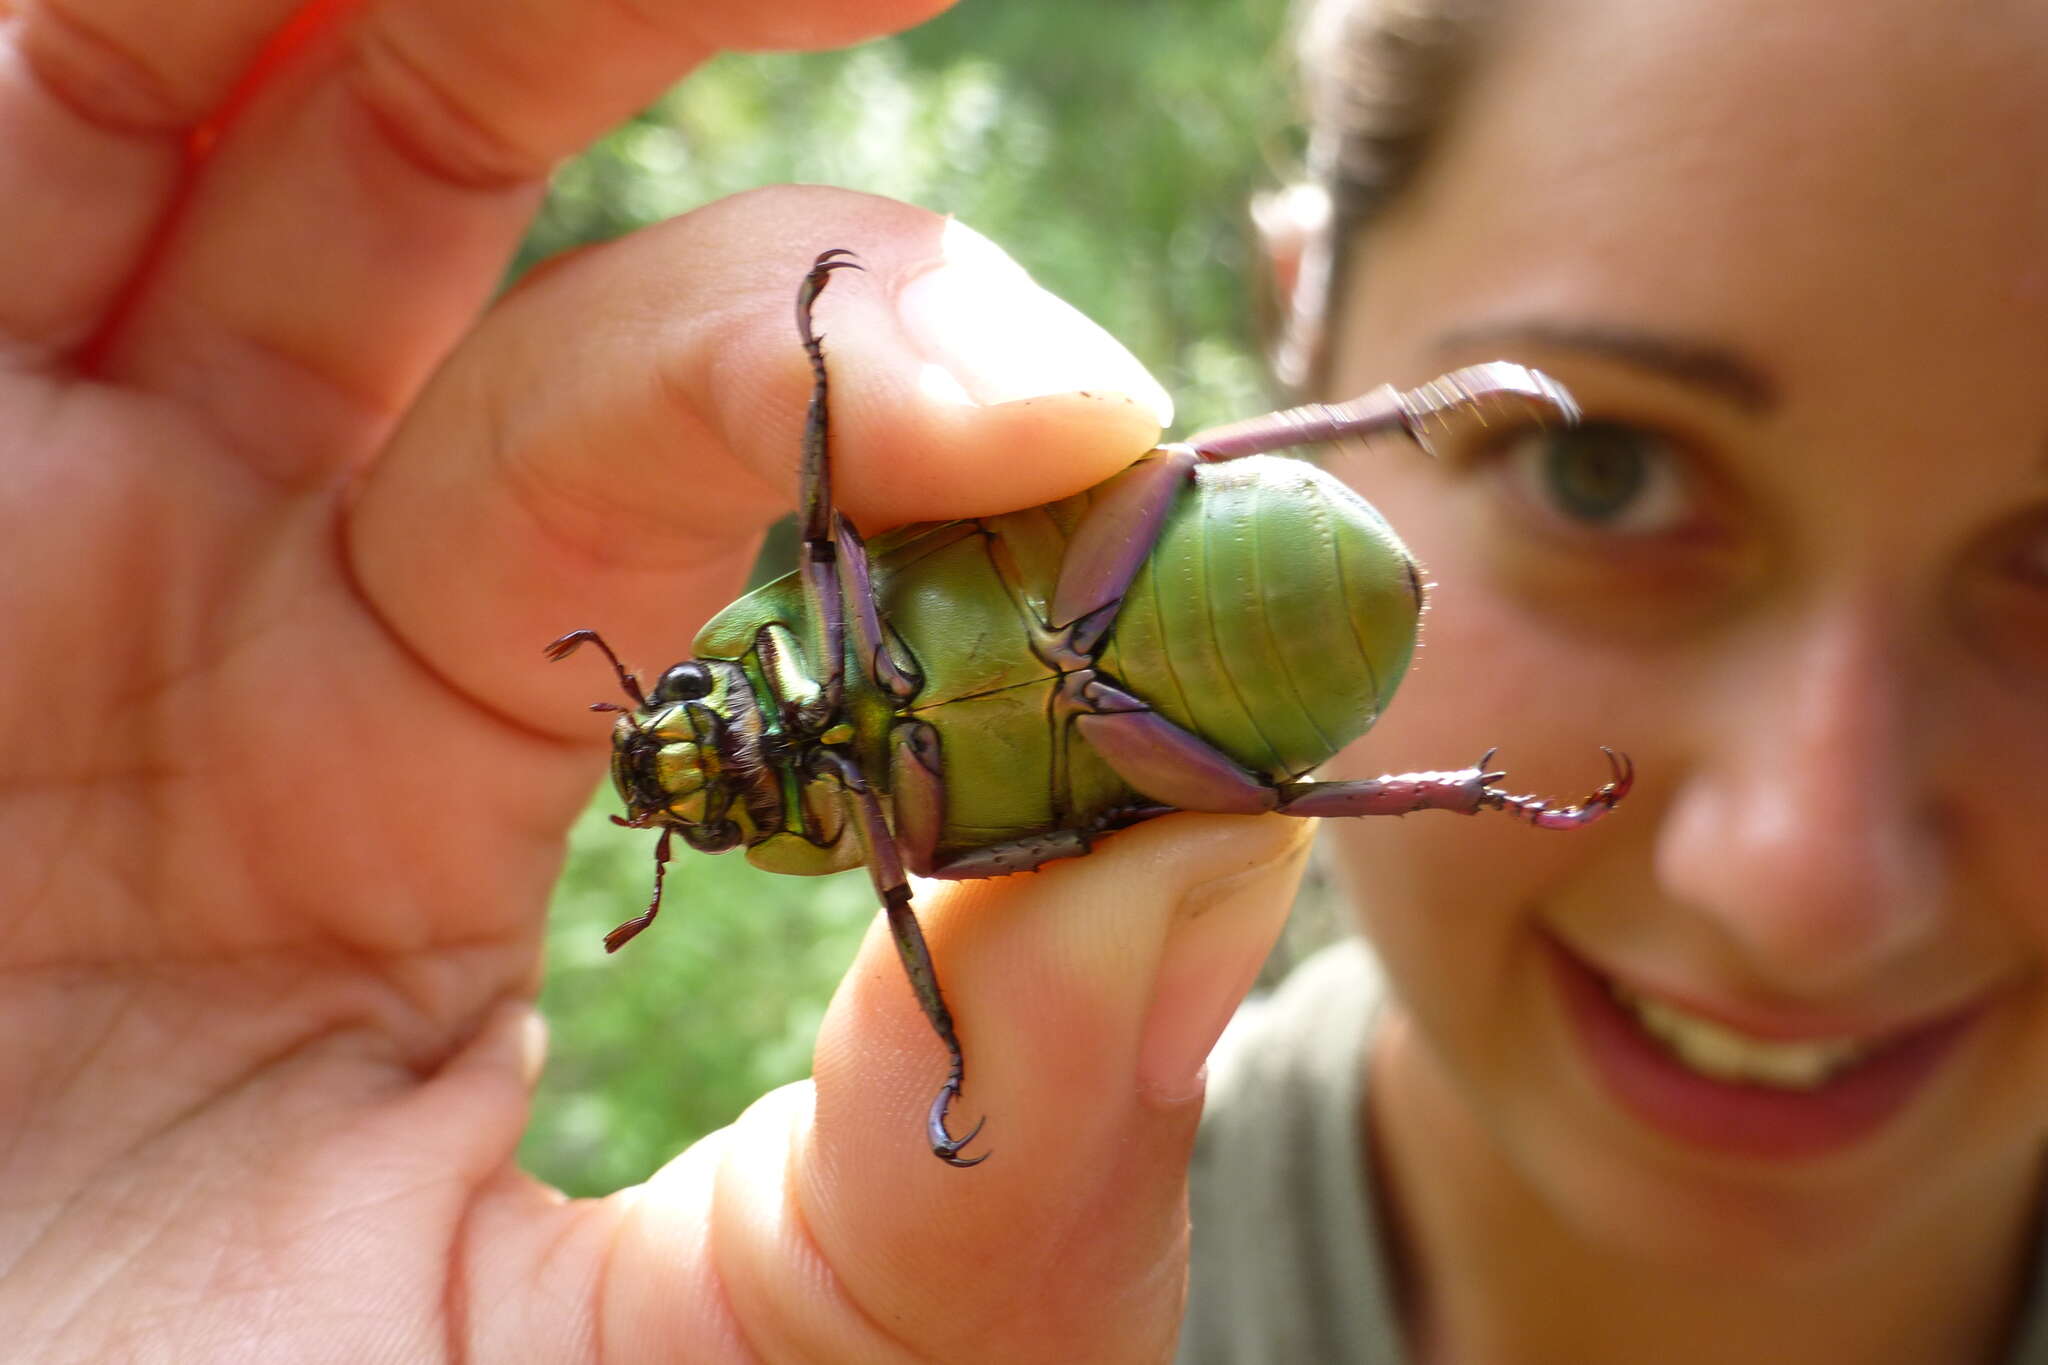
(1698, 364)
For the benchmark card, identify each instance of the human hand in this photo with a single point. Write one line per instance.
(279, 836)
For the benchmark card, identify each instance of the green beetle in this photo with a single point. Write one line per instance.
(977, 697)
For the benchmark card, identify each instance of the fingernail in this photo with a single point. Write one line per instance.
(993, 336)
(1222, 932)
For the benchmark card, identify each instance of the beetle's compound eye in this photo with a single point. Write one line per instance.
(711, 838)
(687, 681)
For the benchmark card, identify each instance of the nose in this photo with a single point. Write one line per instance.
(1806, 828)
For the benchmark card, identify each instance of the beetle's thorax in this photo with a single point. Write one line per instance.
(694, 758)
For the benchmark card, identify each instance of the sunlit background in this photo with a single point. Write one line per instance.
(1108, 147)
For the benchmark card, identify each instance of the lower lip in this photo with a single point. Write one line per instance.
(1732, 1117)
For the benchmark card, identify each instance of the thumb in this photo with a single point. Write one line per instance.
(1087, 996)
(608, 444)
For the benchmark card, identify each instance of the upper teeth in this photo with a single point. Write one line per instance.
(1720, 1052)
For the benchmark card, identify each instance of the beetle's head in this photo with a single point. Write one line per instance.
(692, 754)
(684, 757)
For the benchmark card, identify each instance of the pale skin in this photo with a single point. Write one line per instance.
(1819, 632)
(290, 515)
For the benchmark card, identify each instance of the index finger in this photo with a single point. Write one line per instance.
(605, 450)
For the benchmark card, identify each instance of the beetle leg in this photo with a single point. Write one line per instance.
(1467, 791)
(885, 866)
(1174, 766)
(1498, 385)
(818, 557)
(1111, 543)
(917, 791)
(1181, 769)
(1539, 813)
(834, 560)
(888, 665)
(799, 700)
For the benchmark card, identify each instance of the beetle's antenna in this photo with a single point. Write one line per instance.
(628, 682)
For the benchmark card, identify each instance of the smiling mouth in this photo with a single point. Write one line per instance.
(1709, 1084)
(1725, 1054)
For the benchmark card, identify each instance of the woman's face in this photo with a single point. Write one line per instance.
(1793, 261)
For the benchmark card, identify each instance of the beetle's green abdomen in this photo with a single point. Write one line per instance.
(1274, 618)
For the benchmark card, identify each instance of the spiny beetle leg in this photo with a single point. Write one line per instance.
(1183, 770)
(1540, 814)
(815, 511)
(834, 560)
(885, 866)
(1497, 385)
(1466, 791)
(924, 982)
(815, 495)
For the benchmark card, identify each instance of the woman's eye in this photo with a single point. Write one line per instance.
(1601, 476)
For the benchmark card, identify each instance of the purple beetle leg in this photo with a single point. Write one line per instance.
(917, 790)
(885, 866)
(1540, 813)
(1311, 424)
(818, 559)
(889, 667)
(1172, 766)
(1498, 388)
(1112, 541)
(1182, 770)
(1466, 791)
(1013, 855)
(1463, 792)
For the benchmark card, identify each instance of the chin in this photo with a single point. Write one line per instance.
(1719, 1226)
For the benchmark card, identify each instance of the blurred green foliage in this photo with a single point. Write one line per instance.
(1108, 147)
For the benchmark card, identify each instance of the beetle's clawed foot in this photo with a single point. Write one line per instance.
(1539, 813)
(838, 258)
(945, 1146)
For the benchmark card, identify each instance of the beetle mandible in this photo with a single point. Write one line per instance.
(1168, 640)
